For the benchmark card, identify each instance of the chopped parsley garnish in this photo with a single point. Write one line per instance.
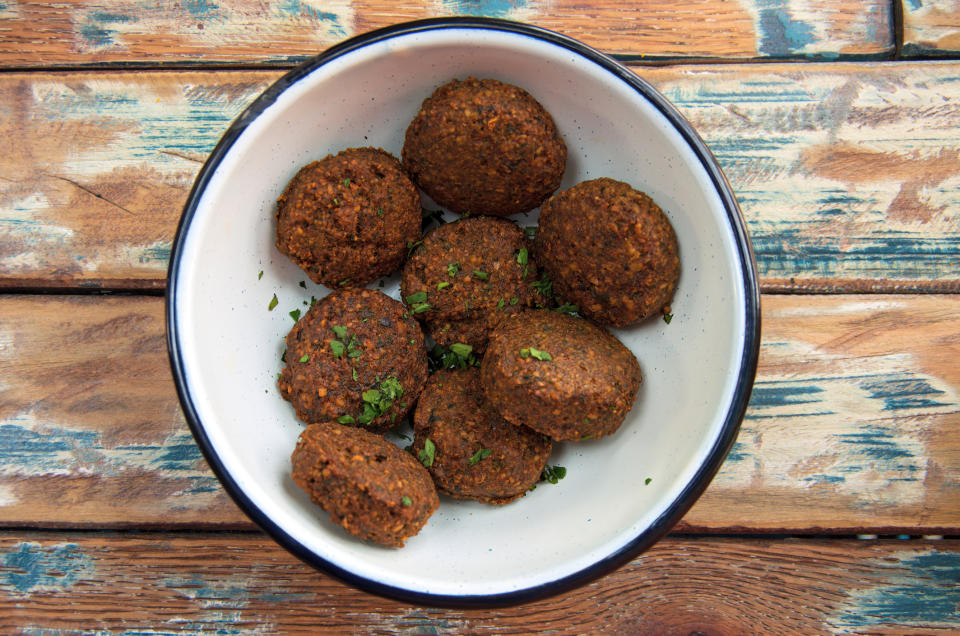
(419, 308)
(273, 303)
(295, 314)
(533, 352)
(442, 284)
(377, 402)
(338, 348)
(544, 286)
(427, 453)
(304, 357)
(343, 282)
(667, 318)
(346, 183)
(380, 211)
(646, 482)
(406, 501)
(481, 275)
(514, 300)
(500, 304)
(354, 369)
(567, 308)
(412, 246)
(452, 269)
(303, 284)
(458, 356)
(260, 275)
(341, 332)
(523, 259)
(346, 419)
(483, 453)
(419, 297)
(553, 474)
(354, 353)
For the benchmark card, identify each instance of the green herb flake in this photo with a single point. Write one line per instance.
(346, 183)
(304, 357)
(260, 275)
(354, 353)
(419, 297)
(483, 453)
(567, 308)
(406, 501)
(337, 348)
(346, 419)
(295, 314)
(646, 482)
(371, 395)
(343, 282)
(355, 378)
(524, 353)
(500, 304)
(553, 474)
(380, 211)
(419, 308)
(461, 350)
(428, 453)
(481, 275)
(452, 269)
(283, 356)
(530, 231)
(340, 331)
(523, 259)
(273, 303)
(303, 284)
(539, 354)
(667, 318)
(412, 246)
(514, 300)
(442, 284)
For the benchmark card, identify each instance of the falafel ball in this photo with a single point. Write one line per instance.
(466, 276)
(348, 218)
(477, 454)
(480, 146)
(610, 250)
(356, 357)
(560, 375)
(370, 487)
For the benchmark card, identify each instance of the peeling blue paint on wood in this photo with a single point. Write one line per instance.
(27, 568)
(485, 8)
(921, 590)
(299, 8)
(780, 32)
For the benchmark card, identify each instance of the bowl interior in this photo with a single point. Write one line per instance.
(230, 343)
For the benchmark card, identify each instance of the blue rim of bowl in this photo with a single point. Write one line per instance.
(748, 360)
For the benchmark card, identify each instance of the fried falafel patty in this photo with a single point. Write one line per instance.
(370, 487)
(610, 250)
(468, 275)
(476, 453)
(560, 375)
(480, 146)
(356, 357)
(348, 218)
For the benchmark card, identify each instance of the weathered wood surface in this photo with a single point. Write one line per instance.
(847, 174)
(931, 28)
(854, 424)
(250, 32)
(246, 584)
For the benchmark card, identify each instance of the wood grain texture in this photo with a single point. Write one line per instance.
(246, 584)
(847, 174)
(931, 28)
(288, 31)
(854, 424)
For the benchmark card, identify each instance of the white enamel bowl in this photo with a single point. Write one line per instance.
(698, 370)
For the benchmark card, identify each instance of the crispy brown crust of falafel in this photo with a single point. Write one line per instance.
(481, 146)
(489, 281)
(324, 386)
(610, 250)
(371, 488)
(583, 391)
(348, 218)
(478, 454)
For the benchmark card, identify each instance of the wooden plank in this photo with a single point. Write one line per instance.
(854, 424)
(931, 28)
(248, 32)
(244, 583)
(847, 174)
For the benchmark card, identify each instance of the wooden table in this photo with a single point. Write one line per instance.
(838, 511)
